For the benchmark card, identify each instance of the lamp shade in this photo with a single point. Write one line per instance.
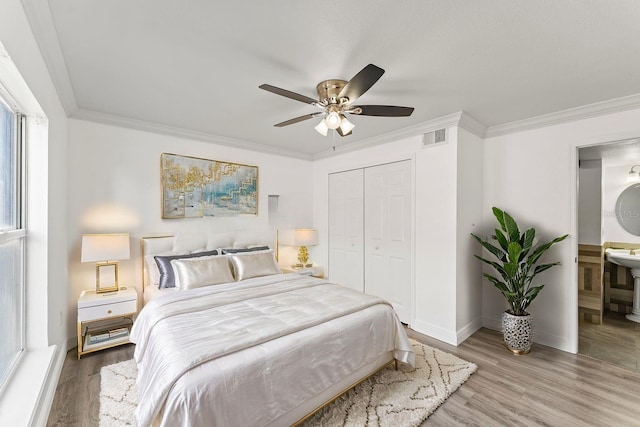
(104, 247)
(300, 237)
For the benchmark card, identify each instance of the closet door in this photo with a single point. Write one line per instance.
(387, 243)
(346, 259)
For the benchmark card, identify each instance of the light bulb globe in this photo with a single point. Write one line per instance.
(333, 120)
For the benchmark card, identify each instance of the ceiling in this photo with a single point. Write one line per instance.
(194, 67)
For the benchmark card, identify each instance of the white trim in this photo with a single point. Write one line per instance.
(460, 119)
(24, 400)
(43, 406)
(467, 330)
(450, 120)
(9, 235)
(111, 119)
(472, 125)
(572, 114)
(445, 335)
(492, 323)
(39, 16)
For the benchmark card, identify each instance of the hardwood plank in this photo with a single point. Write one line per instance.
(545, 387)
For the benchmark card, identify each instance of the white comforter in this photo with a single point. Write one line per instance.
(221, 355)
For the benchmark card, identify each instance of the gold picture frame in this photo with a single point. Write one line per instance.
(106, 277)
(193, 187)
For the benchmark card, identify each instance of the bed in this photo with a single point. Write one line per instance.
(261, 349)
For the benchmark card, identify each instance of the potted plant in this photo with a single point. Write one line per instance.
(517, 264)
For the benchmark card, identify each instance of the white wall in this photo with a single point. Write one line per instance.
(533, 175)
(48, 172)
(447, 202)
(30, 393)
(590, 225)
(114, 186)
(436, 231)
(469, 219)
(614, 182)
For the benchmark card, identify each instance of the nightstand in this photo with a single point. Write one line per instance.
(105, 320)
(315, 271)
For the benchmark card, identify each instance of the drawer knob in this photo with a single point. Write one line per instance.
(108, 311)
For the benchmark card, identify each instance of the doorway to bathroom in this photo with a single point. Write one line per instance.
(606, 288)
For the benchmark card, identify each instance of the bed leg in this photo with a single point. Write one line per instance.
(395, 364)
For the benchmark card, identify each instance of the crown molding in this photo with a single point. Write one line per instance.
(460, 118)
(449, 120)
(39, 16)
(472, 125)
(110, 119)
(572, 114)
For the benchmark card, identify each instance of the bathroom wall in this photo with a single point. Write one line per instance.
(614, 176)
(590, 202)
(618, 282)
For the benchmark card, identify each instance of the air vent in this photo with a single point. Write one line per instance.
(434, 138)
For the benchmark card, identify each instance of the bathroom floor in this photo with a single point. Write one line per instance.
(616, 340)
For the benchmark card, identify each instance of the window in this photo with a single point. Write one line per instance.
(12, 234)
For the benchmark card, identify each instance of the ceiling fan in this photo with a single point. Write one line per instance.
(336, 97)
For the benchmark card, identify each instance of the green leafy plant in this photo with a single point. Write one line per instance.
(516, 262)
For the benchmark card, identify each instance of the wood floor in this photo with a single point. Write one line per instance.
(547, 387)
(616, 340)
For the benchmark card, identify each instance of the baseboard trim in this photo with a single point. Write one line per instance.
(45, 400)
(437, 332)
(467, 330)
(492, 323)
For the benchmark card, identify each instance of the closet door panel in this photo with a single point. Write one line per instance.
(346, 210)
(387, 248)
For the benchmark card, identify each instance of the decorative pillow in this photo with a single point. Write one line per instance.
(167, 278)
(191, 273)
(152, 270)
(253, 264)
(153, 274)
(237, 251)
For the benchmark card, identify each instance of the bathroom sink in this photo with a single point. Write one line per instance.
(623, 257)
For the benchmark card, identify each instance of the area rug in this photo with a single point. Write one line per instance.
(403, 397)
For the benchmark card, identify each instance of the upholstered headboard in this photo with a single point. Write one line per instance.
(182, 243)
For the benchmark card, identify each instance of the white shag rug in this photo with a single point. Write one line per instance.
(405, 397)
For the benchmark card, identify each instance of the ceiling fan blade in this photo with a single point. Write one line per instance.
(361, 82)
(381, 110)
(288, 94)
(343, 134)
(298, 119)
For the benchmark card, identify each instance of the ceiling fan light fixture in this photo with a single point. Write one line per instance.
(346, 126)
(333, 120)
(322, 128)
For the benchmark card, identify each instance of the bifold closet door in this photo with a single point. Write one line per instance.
(346, 213)
(387, 234)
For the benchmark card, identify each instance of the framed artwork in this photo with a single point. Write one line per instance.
(194, 187)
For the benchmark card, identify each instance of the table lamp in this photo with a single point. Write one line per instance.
(301, 238)
(105, 250)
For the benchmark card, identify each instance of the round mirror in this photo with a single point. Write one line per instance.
(628, 209)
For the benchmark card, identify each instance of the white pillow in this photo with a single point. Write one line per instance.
(253, 264)
(193, 273)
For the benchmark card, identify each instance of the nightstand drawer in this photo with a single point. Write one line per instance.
(106, 310)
